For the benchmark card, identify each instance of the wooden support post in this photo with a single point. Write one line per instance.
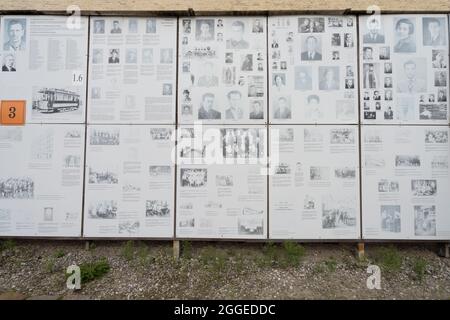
(176, 249)
(444, 250)
(87, 245)
(361, 250)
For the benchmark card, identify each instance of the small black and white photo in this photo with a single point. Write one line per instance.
(442, 95)
(282, 168)
(370, 115)
(9, 63)
(186, 25)
(349, 83)
(224, 180)
(439, 59)
(234, 106)
(72, 161)
(388, 95)
(237, 39)
(147, 56)
(250, 225)
(336, 39)
(342, 136)
(257, 26)
(436, 136)
(104, 137)
(256, 110)
(413, 76)
(160, 171)
(385, 186)
(348, 40)
(388, 82)
(256, 86)
(423, 188)
(229, 57)
(286, 134)
(242, 143)
(390, 218)
(97, 56)
(368, 53)
(150, 25)
(132, 25)
(114, 56)
(282, 107)
(335, 22)
(219, 23)
(335, 55)
(433, 31)
(228, 76)
(128, 227)
(99, 26)
(312, 135)
(345, 109)
(193, 178)
(16, 188)
(371, 75)
(184, 41)
(405, 35)
(329, 78)
(311, 48)
(102, 176)
(166, 55)
(338, 214)
(373, 33)
(207, 77)
(279, 81)
(131, 56)
(157, 208)
(283, 65)
(48, 214)
(440, 78)
(407, 161)
(318, 25)
(207, 108)
(313, 110)
(247, 62)
(319, 173)
(388, 67)
(167, 89)
(116, 28)
(385, 53)
(425, 220)
(103, 209)
(349, 71)
(431, 98)
(204, 29)
(15, 34)
(304, 25)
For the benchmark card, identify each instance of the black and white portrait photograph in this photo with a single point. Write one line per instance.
(99, 26)
(207, 77)
(237, 31)
(132, 26)
(204, 29)
(258, 26)
(349, 83)
(206, 110)
(405, 35)
(167, 89)
(282, 107)
(279, 81)
(442, 95)
(329, 78)
(9, 63)
(131, 55)
(440, 78)
(186, 25)
(439, 60)
(390, 218)
(147, 55)
(434, 31)
(371, 75)
(114, 56)
(412, 76)
(150, 25)
(348, 40)
(385, 53)
(336, 39)
(116, 27)
(368, 53)
(247, 62)
(15, 34)
(256, 110)
(166, 55)
(373, 32)
(103, 209)
(234, 109)
(425, 220)
(311, 49)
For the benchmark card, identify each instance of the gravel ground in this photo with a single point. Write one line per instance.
(147, 270)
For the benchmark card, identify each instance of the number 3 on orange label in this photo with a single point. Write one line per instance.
(12, 112)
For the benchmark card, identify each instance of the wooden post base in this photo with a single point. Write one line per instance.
(360, 250)
(176, 249)
(444, 250)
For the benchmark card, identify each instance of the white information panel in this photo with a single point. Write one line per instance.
(222, 70)
(313, 69)
(314, 182)
(44, 61)
(41, 180)
(132, 70)
(405, 182)
(404, 69)
(222, 182)
(129, 181)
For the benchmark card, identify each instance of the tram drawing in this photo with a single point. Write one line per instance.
(50, 100)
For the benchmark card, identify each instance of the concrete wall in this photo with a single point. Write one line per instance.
(221, 6)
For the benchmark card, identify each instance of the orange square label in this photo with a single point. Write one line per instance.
(12, 112)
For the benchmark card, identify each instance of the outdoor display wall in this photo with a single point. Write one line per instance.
(404, 69)
(41, 180)
(225, 127)
(313, 69)
(44, 61)
(132, 70)
(129, 181)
